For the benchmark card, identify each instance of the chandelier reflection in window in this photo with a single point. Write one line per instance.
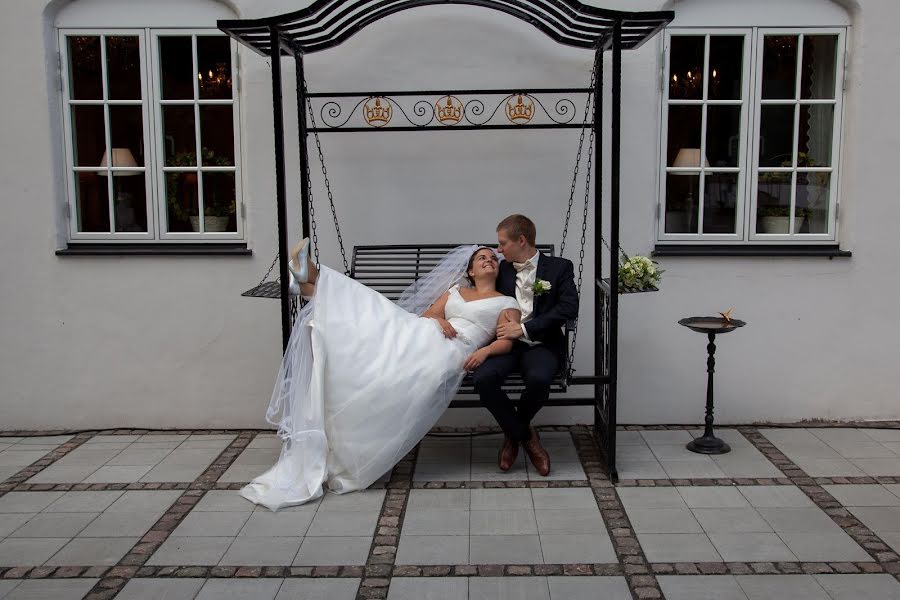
(215, 83)
(690, 83)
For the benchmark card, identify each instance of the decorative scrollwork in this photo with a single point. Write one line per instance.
(378, 111)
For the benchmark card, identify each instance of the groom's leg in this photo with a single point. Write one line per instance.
(489, 378)
(538, 364)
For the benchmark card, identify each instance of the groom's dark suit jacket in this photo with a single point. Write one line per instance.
(551, 309)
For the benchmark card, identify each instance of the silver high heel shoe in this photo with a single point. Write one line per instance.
(299, 272)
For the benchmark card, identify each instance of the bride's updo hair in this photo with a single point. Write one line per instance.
(472, 262)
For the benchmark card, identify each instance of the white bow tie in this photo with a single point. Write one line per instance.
(525, 266)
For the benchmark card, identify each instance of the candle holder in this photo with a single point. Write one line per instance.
(708, 443)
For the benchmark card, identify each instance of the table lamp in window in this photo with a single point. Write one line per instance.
(690, 158)
(121, 157)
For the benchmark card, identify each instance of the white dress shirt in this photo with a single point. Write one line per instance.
(526, 275)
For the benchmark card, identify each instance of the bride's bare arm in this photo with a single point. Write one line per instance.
(436, 312)
(475, 359)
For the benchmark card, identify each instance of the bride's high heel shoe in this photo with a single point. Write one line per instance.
(299, 263)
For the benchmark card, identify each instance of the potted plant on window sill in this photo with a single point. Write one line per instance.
(216, 215)
(776, 219)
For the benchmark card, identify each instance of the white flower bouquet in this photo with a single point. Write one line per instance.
(638, 273)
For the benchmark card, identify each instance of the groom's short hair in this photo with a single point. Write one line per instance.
(516, 225)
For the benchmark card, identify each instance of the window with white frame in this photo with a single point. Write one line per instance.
(751, 135)
(150, 120)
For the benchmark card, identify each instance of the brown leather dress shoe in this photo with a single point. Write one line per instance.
(508, 453)
(537, 454)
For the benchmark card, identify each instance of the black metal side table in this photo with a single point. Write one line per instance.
(708, 443)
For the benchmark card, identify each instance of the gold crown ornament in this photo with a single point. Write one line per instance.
(522, 111)
(449, 112)
(376, 114)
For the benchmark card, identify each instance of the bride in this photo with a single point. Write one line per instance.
(363, 379)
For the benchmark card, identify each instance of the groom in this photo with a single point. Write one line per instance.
(544, 286)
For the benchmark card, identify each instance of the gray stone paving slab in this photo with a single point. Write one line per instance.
(860, 587)
(93, 551)
(343, 523)
(505, 500)
(588, 588)
(678, 547)
(433, 550)
(701, 587)
(505, 549)
(775, 587)
(240, 589)
(51, 589)
(663, 520)
(191, 551)
(48, 525)
(428, 588)
(503, 522)
(160, 588)
(751, 547)
(261, 551)
(318, 589)
(433, 521)
(824, 546)
(29, 551)
(277, 524)
(863, 495)
(27, 502)
(333, 551)
(577, 548)
(88, 501)
(212, 524)
(508, 588)
(731, 520)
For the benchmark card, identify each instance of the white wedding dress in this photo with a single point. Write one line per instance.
(362, 381)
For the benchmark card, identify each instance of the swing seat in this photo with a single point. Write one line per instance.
(391, 269)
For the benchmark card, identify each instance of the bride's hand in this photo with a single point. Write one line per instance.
(449, 331)
(476, 359)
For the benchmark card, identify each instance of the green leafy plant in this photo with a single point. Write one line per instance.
(189, 159)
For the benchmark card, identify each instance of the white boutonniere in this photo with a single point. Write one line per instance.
(540, 287)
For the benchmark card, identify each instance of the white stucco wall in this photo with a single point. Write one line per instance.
(169, 342)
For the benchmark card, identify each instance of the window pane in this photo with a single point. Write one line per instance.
(179, 136)
(181, 202)
(776, 132)
(773, 203)
(682, 206)
(126, 132)
(85, 71)
(91, 202)
(726, 65)
(819, 66)
(723, 135)
(684, 134)
(813, 193)
(176, 67)
(88, 137)
(815, 135)
(217, 136)
(779, 66)
(123, 67)
(214, 64)
(720, 203)
(686, 67)
(129, 192)
(219, 202)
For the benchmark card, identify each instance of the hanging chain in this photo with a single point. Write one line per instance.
(587, 112)
(337, 226)
(587, 195)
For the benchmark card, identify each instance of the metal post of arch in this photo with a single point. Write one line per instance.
(327, 23)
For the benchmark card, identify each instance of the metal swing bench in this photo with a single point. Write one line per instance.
(388, 269)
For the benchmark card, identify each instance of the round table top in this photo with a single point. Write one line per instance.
(711, 324)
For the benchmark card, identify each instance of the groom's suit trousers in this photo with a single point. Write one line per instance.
(538, 365)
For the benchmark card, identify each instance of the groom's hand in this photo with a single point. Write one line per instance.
(509, 331)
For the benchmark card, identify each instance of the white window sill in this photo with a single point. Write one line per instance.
(829, 251)
(209, 249)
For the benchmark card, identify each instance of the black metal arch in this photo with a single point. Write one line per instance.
(328, 23)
